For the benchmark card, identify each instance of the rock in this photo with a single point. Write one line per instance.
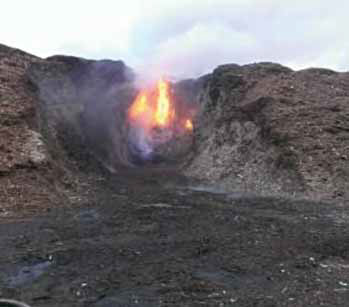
(36, 148)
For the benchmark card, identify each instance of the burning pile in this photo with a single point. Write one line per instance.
(155, 118)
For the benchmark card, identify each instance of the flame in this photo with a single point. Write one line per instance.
(139, 107)
(163, 112)
(155, 108)
(159, 113)
(189, 125)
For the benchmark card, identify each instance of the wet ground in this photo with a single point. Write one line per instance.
(147, 241)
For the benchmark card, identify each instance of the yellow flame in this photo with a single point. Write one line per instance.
(189, 124)
(162, 113)
(139, 107)
(153, 109)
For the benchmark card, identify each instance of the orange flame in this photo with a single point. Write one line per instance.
(159, 113)
(139, 107)
(155, 109)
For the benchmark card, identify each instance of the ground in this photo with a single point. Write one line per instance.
(140, 244)
(73, 234)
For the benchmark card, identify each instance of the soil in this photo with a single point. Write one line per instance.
(74, 234)
(267, 129)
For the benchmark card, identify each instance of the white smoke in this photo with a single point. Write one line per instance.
(181, 37)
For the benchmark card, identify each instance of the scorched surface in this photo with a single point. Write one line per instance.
(72, 235)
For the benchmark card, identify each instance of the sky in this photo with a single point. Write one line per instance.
(182, 38)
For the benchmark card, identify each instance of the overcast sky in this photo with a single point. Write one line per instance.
(182, 37)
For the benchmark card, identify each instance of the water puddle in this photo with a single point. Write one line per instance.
(87, 216)
(145, 297)
(28, 274)
(211, 189)
(230, 280)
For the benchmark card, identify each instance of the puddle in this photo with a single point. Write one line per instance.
(11, 303)
(230, 280)
(208, 189)
(214, 190)
(87, 216)
(219, 277)
(28, 274)
(145, 297)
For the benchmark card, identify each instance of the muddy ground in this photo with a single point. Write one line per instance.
(73, 234)
(138, 243)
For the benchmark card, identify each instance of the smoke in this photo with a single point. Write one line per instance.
(196, 52)
(141, 145)
(190, 38)
(85, 103)
(183, 38)
(85, 109)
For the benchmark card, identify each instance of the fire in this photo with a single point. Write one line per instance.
(163, 112)
(139, 107)
(154, 112)
(156, 118)
(189, 125)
